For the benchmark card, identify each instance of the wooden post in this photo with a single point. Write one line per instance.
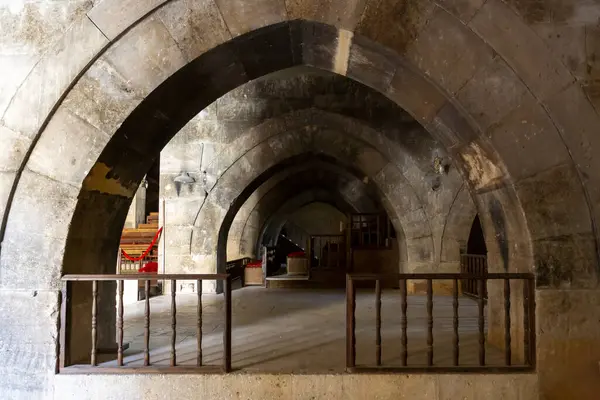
(481, 281)
(404, 321)
(507, 338)
(350, 323)
(120, 324)
(173, 323)
(227, 331)
(429, 322)
(199, 322)
(378, 321)
(94, 361)
(65, 309)
(147, 324)
(455, 352)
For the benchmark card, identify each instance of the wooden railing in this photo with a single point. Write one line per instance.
(327, 252)
(475, 265)
(95, 366)
(370, 231)
(528, 327)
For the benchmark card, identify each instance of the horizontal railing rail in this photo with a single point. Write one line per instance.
(482, 365)
(94, 366)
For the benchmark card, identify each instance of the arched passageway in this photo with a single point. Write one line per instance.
(538, 208)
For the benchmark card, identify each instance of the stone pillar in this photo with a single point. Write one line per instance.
(137, 210)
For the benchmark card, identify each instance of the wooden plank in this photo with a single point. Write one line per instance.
(114, 277)
(449, 276)
(441, 370)
(86, 370)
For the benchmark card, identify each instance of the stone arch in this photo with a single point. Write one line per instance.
(307, 184)
(403, 208)
(491, 41)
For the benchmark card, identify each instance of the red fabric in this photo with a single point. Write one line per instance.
(255, 264)
(127, 256)
(297, 254)
(151, 266)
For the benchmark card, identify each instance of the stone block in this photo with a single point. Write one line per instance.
(567, 261)
(492, 93)
(14, 148)
(187, 157)
(196, 26)
(554, 203)
(415, 94)
(48, 214)
(521, 48)
(371, 64)
(412, 224)
(6, 183)
(342, 14)
(481, 386)
(52, 75)
(314, 44)
(113, 17)
(33, 27)
(528, 141)
(568, 43)
(15, 68)
(448, 52)
(266, 50)
(395, 24)
(28, 337)
(577, 122)
(77, 143)
(243, 18)
(102, 97)
(420, 254)
(462, 9)
(148, 45)
(177, 239)
(182, 211)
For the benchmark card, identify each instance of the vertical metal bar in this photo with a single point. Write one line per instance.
(227, 331)
(507, 338)
(199, 322)
(429, 322)
(147, 323)
(404, 322)
(378, 322)
(481, 281)
(350, 323)
(455, 348)
(120, 324)
(173, 323)
(94, 361)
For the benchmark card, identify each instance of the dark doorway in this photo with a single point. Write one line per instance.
(476, 243)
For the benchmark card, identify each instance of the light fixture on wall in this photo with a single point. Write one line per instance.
(184, 178)
(440, 166)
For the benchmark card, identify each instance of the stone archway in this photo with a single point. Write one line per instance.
(539, 87)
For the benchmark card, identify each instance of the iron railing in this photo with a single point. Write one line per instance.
(528, 361)
(94, 366)
(473, 265)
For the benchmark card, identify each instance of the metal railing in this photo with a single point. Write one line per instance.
(94, 366)
(327, 252)
(473, 264)
(482, 366)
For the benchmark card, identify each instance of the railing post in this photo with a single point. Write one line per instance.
(480, 320)
(94, 351)
(455, 347)
(227, 331)
(199, 324)
(429, 322)
(404, 321)
(507, 323)
(146, 323)
(529, 321)
(350, 323)
(120, 284)
(65, 309)
(173, 323)
(378, 321)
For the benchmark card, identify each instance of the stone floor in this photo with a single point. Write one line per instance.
(300, 331)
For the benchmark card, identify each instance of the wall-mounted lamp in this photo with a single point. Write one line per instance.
(184, 178)
(440, 166)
